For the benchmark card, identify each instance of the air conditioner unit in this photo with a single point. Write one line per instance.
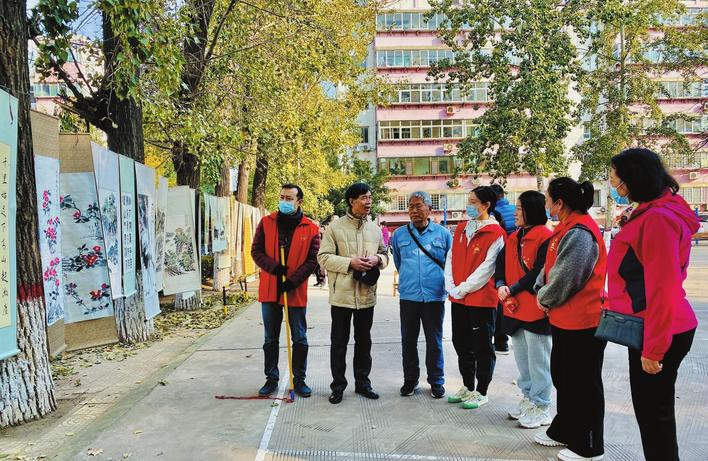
(456, 215)
(693, 175)
(450, 110)
(362, 147)
(448, 147)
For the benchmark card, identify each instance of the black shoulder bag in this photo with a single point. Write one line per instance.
(435, 260)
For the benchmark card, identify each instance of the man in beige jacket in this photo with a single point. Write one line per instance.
(352, 245)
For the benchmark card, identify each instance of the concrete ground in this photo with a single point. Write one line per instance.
(183, 420)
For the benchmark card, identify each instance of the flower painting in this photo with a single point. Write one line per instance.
(48, 200)
(86, 284)
(105, 166)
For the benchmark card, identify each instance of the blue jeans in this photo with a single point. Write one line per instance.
(272, 320)
(533, 359)
(431, 315)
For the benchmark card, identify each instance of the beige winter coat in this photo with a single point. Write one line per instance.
(343, 239)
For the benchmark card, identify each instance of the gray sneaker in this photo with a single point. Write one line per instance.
(535, 417)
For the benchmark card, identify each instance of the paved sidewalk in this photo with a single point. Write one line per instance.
(183, 420)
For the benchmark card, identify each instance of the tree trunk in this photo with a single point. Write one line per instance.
(539, 183)
(186, 166)
(26, 386)
(260, 178)
(126, 137)
(244, 173)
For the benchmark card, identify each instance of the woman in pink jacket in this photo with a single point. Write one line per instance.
(646, 269)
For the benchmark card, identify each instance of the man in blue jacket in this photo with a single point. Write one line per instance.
(507, 210)
(419, 251)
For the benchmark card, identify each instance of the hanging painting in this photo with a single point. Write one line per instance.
(9, 122)
(87, 293)
(127, 208)
(145, 183)
(206, 224)
(105, 164)
(223, 258)
(182, 272)
(218, 224)
(46, 171)
(160, 214)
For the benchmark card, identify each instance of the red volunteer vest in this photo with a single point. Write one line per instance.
(582, 310)
(297, 255)
(528, 310)
(467, 258)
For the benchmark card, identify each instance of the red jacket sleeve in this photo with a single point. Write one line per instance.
(258, 253)
(659, 254)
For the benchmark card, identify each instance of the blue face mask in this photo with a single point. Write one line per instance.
(472, 211)
(286, 207)
(619, 200)
(551, 217)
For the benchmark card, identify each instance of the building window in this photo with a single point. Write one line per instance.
(439, 93)
(404, 130)
(402, 203)
(411, 58)
(596, 199)
(694, 195)
(364, 135)
(48, 89)
(420, 166)
(457, 201)
(692, 125)
(586, 131)
(697, 160)
(680, 89)
(439, 201)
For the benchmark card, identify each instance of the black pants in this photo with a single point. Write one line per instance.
(576, 369)
(341, 325)
(501, 340)
(653, 399)
(472, 332)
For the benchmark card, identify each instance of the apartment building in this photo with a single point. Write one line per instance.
(414, 139)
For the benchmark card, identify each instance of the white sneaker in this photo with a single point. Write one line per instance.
(519, 410)
(476, 400)
(567, 455)
(460, 396)
(535, 417)
(542, 438)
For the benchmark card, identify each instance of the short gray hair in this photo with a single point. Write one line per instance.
(424, 196)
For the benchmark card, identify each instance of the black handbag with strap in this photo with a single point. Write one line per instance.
(426, 252)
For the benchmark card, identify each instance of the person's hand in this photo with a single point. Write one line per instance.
(374, 260)
(542, 307)
(503, 293)
(361, 264)
(285, 286)
(279, 271)
(455, 293)
(651, 366)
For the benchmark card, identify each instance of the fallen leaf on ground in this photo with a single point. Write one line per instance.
(94, 451)
(126, 455)
(138, 431)
(163, 383)
(69, 434)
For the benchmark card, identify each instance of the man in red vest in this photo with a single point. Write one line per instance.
(300, 237)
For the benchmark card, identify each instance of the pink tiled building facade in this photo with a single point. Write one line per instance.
(414, 138)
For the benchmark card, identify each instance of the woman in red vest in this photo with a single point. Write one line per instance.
(518, 266)
(469, 271)
(570, 291)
